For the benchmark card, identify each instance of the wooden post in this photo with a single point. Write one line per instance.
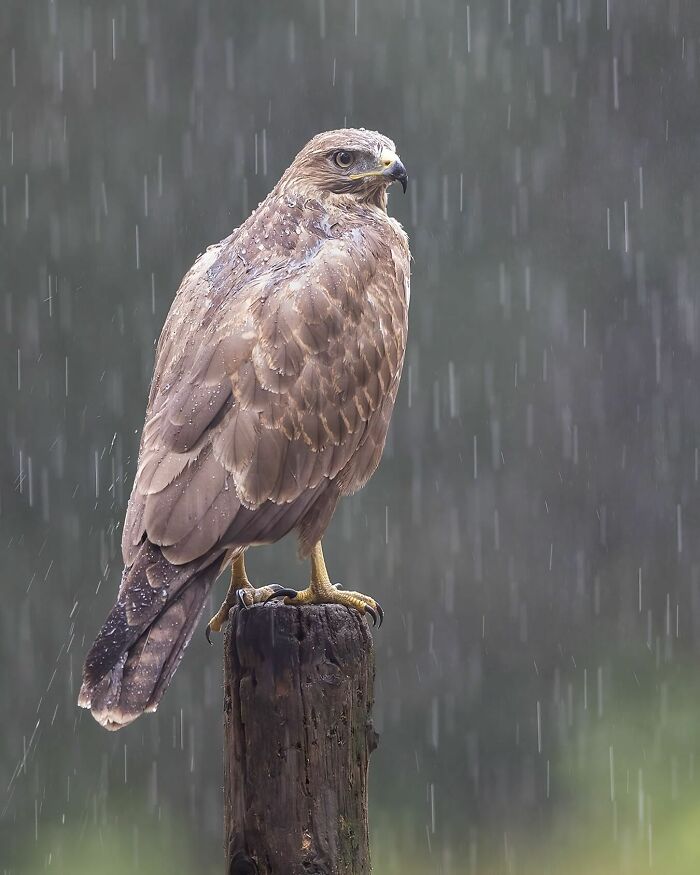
(298, 735)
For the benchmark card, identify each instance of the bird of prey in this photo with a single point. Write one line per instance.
(275, 378)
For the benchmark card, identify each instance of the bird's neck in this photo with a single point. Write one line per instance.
(375, 196)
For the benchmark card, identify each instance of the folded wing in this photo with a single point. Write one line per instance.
(258, 409)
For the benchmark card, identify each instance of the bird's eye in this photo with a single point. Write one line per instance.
(343, 159)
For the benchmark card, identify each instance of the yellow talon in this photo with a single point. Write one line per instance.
(321, 591)
(239, 580)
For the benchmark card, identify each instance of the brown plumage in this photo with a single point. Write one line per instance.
(275, 378)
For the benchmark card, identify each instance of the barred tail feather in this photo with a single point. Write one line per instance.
(143, 639)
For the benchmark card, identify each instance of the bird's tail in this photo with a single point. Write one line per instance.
(142, 641)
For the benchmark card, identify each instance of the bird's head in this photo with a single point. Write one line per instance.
(353, 164)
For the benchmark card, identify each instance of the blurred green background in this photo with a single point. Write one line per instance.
(533, 530)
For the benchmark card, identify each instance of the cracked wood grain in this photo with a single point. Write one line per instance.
(298, 735)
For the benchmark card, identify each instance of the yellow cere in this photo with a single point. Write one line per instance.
(386, 159)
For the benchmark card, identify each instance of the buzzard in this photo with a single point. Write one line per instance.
(275, 379)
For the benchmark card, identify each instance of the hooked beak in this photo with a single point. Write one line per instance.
(390, 167)
(393, 168)
(397, 173)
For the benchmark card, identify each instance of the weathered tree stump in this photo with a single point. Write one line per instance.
(298, 735)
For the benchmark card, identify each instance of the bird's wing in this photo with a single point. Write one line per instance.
(266, 378)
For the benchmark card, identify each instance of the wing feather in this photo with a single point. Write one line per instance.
(273, 388)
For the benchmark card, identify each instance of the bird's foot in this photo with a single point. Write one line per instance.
(332, 594)
(245, 596)
(252, 595)
(218, 620)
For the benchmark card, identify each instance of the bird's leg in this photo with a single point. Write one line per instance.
(239, 580)
(321, 591)
(242, 592)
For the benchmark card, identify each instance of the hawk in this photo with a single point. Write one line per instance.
(275, 378)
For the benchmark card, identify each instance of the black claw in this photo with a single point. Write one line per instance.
(280, 592)
(207, 632)
(240, 599)
(381, 613)
(372, 613)
(337, 586)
